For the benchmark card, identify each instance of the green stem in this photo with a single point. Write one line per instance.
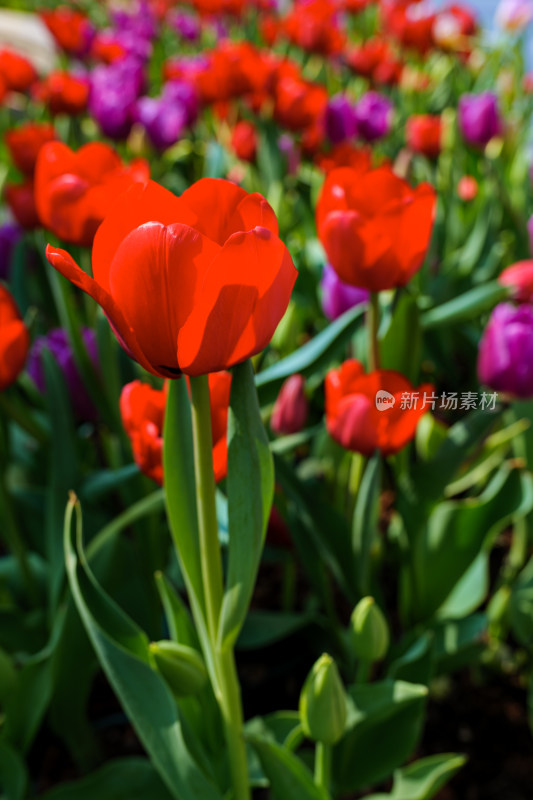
(206, 502)
(323, 765)
(372, 325)
(227, 687)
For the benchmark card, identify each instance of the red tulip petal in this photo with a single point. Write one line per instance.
(94, 160)
(141, 203)
(214, 202)
(14, 344)
(155, 279)
(65, 264)
(244, 296)
(352, 426)
(411, 225)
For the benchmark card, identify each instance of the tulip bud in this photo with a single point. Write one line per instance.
(323, 702)
(291, 407)
(181, 666)
(467, 188)
(369, 630)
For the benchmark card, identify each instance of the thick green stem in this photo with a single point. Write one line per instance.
(323, 765)
(226, 686)
(372, 326)
(206, 503)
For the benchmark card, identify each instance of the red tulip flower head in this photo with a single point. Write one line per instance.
(374, 411)
(142, 409)
(374, 226)
(519, 278)
(20, 198)
(14, 340)
(16, 71)
(424, 134)
(191, 284)
(291, 408)
(75, 190)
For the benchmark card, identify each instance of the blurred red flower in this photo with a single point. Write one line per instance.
(70, 28)
(20, 198)
(193, 284)
(374, 226)
(75, 190)
(14, 340)
(17, 72)
(25, 142)
(244, 140)
(374, 411)
(424, 134)
(63, 93)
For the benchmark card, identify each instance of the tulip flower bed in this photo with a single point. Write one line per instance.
(266, 402)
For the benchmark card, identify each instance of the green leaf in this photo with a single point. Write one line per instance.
(177, 616)
(521, 606)
(263, 628)
(13, 775)
(470, 591)
(458, 643)
(414, 665)
(63, 470)
(123, 651)
(456, 532)
(107, 480)
(250, 485)
(314, 357)
(180, 489)
(383, 727)
(423, 779)
(467, 306)
(365, 522)
(287, 774)
(400, 346)
(124, 779)
(25, 708)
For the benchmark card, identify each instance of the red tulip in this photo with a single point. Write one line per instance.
(244, 140)
(345, 154)
(14, 340)
(25, 142)
(20, 198)
(143, 413)
(290, 410)
(17, 72)
(193, 284)
(63, 93)
(75, 190)
(70, 28)
(374, 411)
(374, 226)
(424, 134)
(519, 277)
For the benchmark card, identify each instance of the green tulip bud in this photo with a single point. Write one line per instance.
(323, 702)
(182, 667)
(370, 631)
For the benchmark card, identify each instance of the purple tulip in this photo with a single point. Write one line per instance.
(373, 116)
(479, 118)
(56, 341)
(10, 235)
(165, 118)
(113, 94)
(505, 360)
(337, 296)
(187, 25)
(340, 119)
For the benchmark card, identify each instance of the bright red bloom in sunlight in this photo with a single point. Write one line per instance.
(63, 93)
(298, 104)
(244, 140)
(17, 72)
(519, 277)
(411, 23)
(313, 25)
(75, 190)
(142, 409)
(345, 154)
(374, 226)
(20, 198)
(424, 134)
(375, 60)
(14, 340)
(191, 284)
(71, 29)
(365, 412)
(25, 142)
